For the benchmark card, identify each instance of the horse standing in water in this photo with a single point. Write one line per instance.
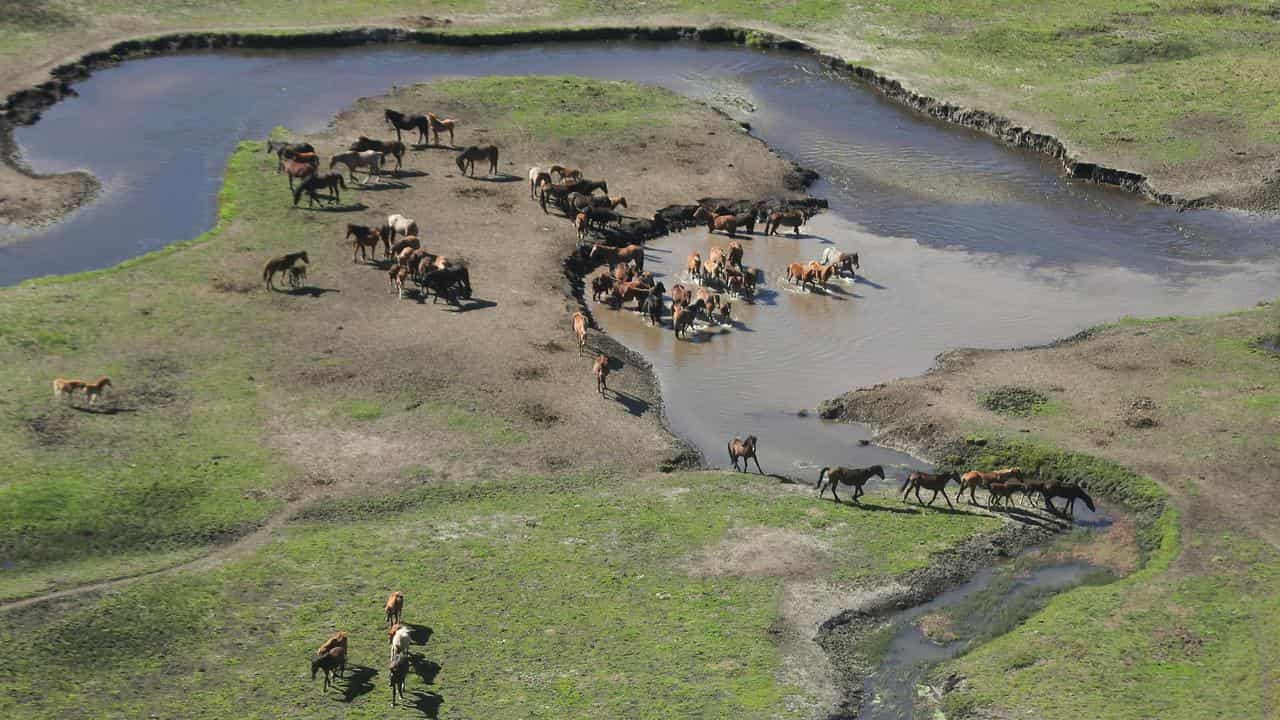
(857, 477)
(745, 449)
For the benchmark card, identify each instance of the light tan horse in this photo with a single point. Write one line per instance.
(94, 390)
(601, 370)
(580, 329)
(745, 449)
(974, 479)
(438, 124)
(64, 388)
(394, 607)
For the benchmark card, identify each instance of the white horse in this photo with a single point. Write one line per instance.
(537, 173)
(400, 643)
(403, 225)
(846, 263)
(370, 159)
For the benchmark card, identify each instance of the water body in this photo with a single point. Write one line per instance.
(964, 242)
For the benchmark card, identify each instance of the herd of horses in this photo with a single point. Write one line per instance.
(331, 657)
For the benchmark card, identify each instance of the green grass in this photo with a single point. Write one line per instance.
(547, 598)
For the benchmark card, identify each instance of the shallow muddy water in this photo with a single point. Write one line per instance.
(963, 241)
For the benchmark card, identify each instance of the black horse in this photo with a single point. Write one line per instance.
(449, 283)
(1070, 493)
(327, 181)
(830, 477)
(400, 121)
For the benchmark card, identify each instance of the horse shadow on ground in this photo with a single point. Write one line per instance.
(470, 304)
(334, 207)
(634, 405)
(402, 173)
(499, 178)
(426, 670)
(102, 410)
(956, 509)
(433, 146)
(419, 634)
(357, 681)
(862, 280)
(426, 702)
(1030, 517)
(839, 293)
(384, 184)
(311, 291)
(872, 507)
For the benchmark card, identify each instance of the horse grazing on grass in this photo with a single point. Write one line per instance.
(724, 223)
(830, 477)
(333, 662)
(287, 150)
(393, 148)
(328, 181)
(397, 672)
(974, 479)
(466, 159)
(438, 124)
(1070, 493)
(92, 390)
(936, 483)
(394, 607)
(791, 218)
(281, 264)
(845, 262)
(299, 167)
(745, 449)
(580, 329)
(400, 224)
(371, 160)
(601, 370)
(400, 121)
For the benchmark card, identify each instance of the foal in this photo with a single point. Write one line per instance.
(745, 449)
(857, 477)
(601, 370)
(394, 606)
(64, 388)
(333, 662)
(281, 264)
(580, 329)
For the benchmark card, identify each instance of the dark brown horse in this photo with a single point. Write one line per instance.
(792, 219)
(393, 148)
(333, 662)
(281, 264)
(466, 159)
(397, 671)
(830, 477)
(1070, 493)
(287, 150)
(326, 181)
(400, 121)
(745, 449)
(368, 240)
(723, 223)
(936, 483)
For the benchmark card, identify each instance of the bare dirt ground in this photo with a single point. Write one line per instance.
(30, 200)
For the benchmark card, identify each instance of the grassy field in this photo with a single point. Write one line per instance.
(1184, 90)
(591, 597)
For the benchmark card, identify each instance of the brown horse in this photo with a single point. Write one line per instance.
(333, 663)
(792, 219)
(370, 241)
(326, 181)
(601, 285)
(394, 148)
(281, 264)
(681, 295)
(438, 124)
(339, 639)
(821, 273)
(614, 256)
(64, 388)
(694, 266)
(394, 607)
(410, 242)
(857, 477)
(974, 479)
(566, 173)
(936, 483)
(800, 274)
(1001, 493)
(745, 449)
(93, 391)
(580, 329)
(601, 370)
(299, 167)
(397, 672)
(733, 256)
(608, 202)
(724, 223)
(396, 277)
(287, 150)
(1070, 493)
(681, 318)
(468, 157)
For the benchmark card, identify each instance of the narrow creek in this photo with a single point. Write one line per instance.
(963, 242)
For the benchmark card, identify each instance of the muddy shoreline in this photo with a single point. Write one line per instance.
(25, 106)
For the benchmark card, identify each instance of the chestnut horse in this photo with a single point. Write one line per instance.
(281, 264)
(565, 173)
(974, 479)
(580, 329)
(936, 483)
(723, 223)
(745, 449)
(400, 121)
(830, 477)
(287, 150)
(370, 241)
(333, 662)
(394, 607)
(466, 160)
(299, 167)
(613, 256)
(64, 388)
(438, 124)
(601, 370)
(338, 639)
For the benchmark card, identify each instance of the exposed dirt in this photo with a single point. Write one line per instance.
(30, 200)
(764, 552)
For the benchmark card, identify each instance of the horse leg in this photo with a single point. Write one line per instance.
(857, 493)
(944, 497)
(757, 460)
(935, 497)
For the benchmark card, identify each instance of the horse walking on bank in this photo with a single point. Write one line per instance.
(830, 477)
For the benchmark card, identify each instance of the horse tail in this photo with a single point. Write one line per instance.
(1087, 500)
(821, 474)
